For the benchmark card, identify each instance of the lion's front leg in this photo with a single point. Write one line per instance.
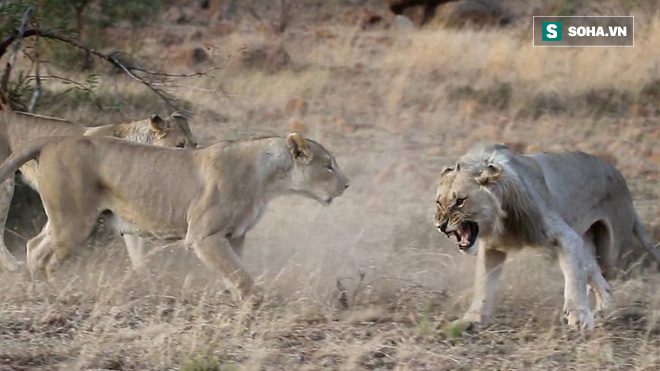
(489, 268)
(574, 265)
(216, 252)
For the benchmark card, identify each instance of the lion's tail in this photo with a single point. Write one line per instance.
(644, 239)
(26, 153)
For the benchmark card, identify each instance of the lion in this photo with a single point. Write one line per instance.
(209, 197)
(16, 129)
(572, 203)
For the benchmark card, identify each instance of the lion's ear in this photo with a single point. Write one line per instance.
(490, 174)
(449, 169)
(157, 124)
(298, 148)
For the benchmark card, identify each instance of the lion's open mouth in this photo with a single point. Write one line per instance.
(466, 234)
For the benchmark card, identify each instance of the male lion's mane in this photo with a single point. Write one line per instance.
(522, 216)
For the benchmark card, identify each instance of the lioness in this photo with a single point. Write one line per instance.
(17, 129)
(209, 197)
(570, 202)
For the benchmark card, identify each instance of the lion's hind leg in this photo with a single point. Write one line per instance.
(603, 292)
(39, 251)
(600, 240)
(65, 237)
(7, 260)
(72, 205)
(574, 260)
(597, 283)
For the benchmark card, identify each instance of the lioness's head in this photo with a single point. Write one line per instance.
(315, 173)
(172, 131)
(467, 208)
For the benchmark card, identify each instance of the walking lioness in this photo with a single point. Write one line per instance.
(17, 129)
(573, 203)
(209, 197)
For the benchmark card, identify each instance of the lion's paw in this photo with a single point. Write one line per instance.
(603, 300)
(579, 318)
(603, 305)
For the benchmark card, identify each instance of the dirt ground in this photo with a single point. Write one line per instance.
(366, 283)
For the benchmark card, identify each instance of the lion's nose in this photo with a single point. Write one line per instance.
(346, 186)
(443, 226)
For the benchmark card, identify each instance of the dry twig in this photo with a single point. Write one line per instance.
(155, 81)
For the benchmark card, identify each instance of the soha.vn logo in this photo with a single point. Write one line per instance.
(551, 31)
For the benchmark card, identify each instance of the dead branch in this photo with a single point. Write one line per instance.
(36, 93)
(176, 75)
(67, 81)
(168, 98)
(133, 72)
(19, 36)
(64, 79)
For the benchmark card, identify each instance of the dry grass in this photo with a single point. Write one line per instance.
(413, 102)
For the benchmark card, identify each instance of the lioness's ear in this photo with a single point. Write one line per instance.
(157, 124)
(490, 174)
(298, 147)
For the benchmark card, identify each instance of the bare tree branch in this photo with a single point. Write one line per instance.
(177, 75)
(131, 71)
(65, 80)
(36, 93)
(168, 98)
(12, 60)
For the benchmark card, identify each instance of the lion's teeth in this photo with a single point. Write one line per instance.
(465, 239)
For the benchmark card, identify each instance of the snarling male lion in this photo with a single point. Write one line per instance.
(209, 197)
(17, 129)
(573, 203)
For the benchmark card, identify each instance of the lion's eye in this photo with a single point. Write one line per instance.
(460, 201)
(329, 166)
(438, 203)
